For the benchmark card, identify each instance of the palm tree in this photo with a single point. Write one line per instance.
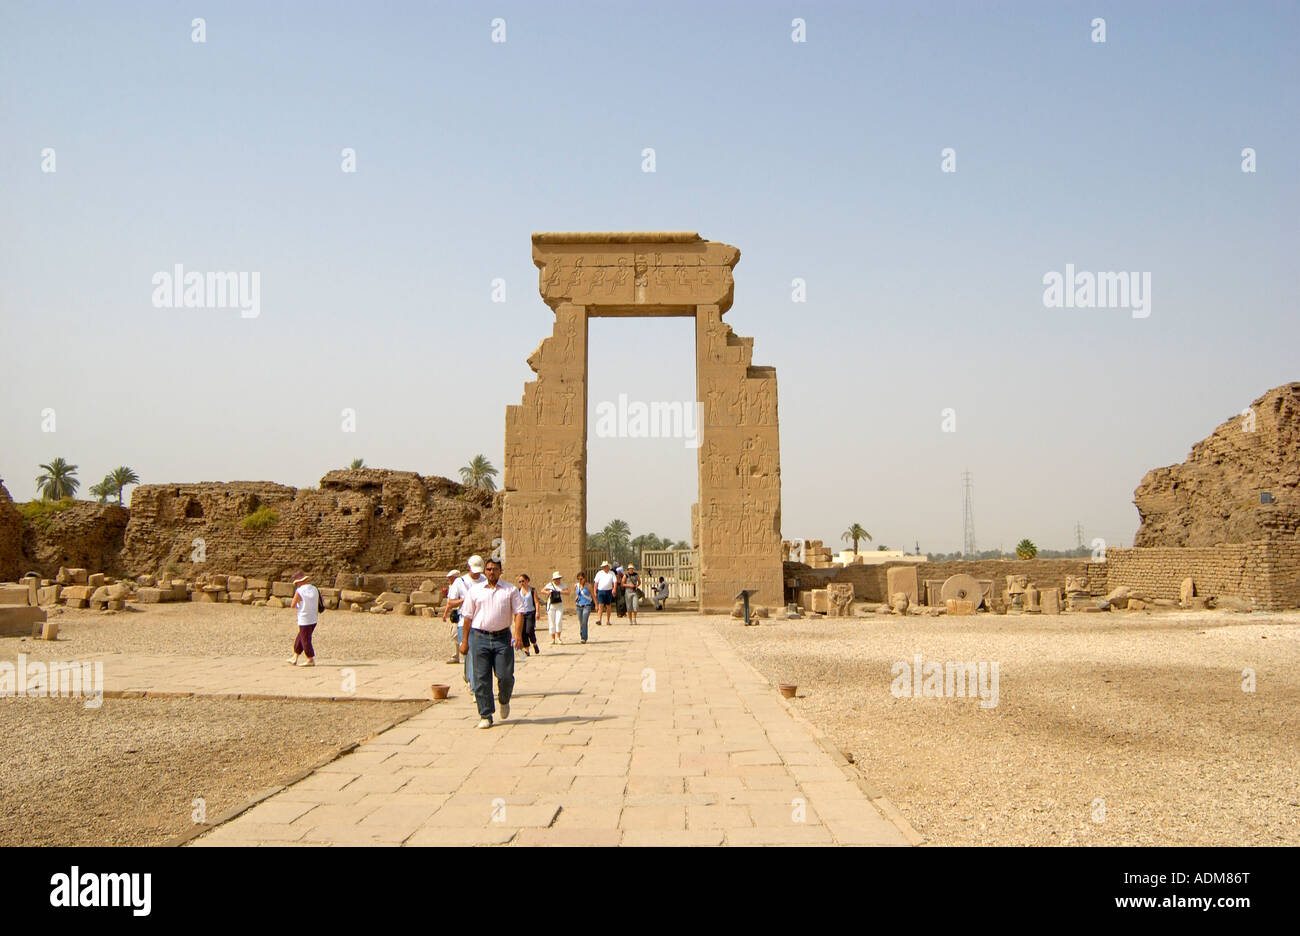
(121, 477)
(615, 539)
(58, 481)
(357, 463)
(103, 490)
(1025, 549)
(856, 532)
(479, 473)
(649, 542)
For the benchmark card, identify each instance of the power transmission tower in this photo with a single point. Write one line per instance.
(1078, 533)
(968, 534)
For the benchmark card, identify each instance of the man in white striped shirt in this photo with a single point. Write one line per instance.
(493, 615)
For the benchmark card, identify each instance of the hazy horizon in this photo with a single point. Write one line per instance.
(819, 160)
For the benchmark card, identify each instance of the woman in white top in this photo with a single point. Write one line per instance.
(307, 599)
(554, 591)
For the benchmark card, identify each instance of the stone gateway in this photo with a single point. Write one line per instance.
(737, 519)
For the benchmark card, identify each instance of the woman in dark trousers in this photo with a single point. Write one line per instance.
(530, 613)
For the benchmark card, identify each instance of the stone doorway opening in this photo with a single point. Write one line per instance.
(736, 521)
(643, 426)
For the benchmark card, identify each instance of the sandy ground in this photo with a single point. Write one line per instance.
(239, 630)
(1142, 715)
(129, 772)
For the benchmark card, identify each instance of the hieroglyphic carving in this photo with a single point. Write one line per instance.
(738, 518)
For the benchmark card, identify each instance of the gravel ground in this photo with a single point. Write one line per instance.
(189, 628)
(1144, 712)
(128, 772)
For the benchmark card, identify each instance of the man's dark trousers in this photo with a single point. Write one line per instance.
(491, 652)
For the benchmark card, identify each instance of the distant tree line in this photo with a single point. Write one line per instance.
(1078, 552)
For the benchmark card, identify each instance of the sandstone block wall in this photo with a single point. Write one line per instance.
(1266, 573)
(367, 520)
(85, 535)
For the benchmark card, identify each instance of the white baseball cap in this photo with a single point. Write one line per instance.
(556, 575)
(476, 564)
(454, 573)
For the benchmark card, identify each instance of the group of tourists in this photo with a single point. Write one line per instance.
(491, 619)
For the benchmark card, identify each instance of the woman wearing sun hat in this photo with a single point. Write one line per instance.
(554, 592)
(307, 599)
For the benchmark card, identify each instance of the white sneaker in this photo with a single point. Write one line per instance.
(505, 710)
(485, 723)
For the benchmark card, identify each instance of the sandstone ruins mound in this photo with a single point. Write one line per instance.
(370, 520)
(1214, 496)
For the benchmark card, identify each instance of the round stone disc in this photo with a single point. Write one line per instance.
(962, 588)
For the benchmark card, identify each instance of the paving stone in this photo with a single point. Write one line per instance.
(710, 757)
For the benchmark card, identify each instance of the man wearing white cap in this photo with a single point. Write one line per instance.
(456, 596)
(605, 582)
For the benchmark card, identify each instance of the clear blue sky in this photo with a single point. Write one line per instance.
(818, 160)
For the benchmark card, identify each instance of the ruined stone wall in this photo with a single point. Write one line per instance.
(11, 538)
(869, 580)
(370, 520)
(1266, 573)
(85, 535)
(1214, 496)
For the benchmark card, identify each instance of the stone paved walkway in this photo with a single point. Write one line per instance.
(651, 735)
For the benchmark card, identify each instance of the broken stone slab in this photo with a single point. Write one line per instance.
(282, 589)
(388, 600)
(236, 584)
(148, 595)
(1050, 599)
(1186, 591)
(355, 597)
(96, 580)
(1233, 603)
(425, 598)
(17, 620)
(15, 595)
(903, 579)
(959, 606)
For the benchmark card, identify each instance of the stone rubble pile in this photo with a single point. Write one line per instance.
(79, 589)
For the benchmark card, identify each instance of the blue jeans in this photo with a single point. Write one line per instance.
(491, 652)
(584, 612)
(469, 658)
